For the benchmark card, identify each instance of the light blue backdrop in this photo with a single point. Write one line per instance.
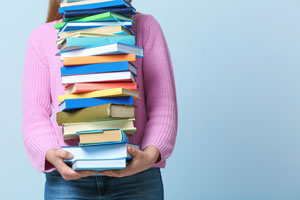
(237, 72)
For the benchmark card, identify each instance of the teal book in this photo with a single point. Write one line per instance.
(73, 43)
(103, 17)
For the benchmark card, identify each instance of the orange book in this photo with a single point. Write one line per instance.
(90, 87)
(85, 60)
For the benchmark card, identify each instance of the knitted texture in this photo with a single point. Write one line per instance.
(156, 112)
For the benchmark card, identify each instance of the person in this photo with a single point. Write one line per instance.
(156, 118)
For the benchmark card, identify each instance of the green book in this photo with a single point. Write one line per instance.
(108, 16)
(96, 113)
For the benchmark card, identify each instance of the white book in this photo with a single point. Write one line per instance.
(100, 77)
(99, 165)
(77, 3)
(116, 48)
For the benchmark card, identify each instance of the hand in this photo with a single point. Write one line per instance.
(55, 157)
(141, 160)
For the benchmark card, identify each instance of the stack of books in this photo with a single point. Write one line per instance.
(98, 52)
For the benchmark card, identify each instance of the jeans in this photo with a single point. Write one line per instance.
(146, 185)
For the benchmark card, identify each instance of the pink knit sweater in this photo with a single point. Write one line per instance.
(156, 114)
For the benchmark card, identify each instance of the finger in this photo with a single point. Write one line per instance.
(133, 151)
(64, 154)
(66, 172)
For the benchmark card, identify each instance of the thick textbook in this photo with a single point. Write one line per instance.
(70, 129)
(128, 12)
(64, 3)
(99, 152)
(90, 87)
(99, 165)
(73, 43)
(101, 137)
(72, 104)
(103, 17)
(124, 76)
(114, 92)
(95, 113)
(110, 49)
(98, 68)
(85, 60)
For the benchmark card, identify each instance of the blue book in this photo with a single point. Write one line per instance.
(102, 137)
(127, 11)
(98, 68)
(107, 4)
(99, 152)
(72, 104)
(73, 43)
(76, 26)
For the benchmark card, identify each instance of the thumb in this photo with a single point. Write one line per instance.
(132, 151)
(64, 154)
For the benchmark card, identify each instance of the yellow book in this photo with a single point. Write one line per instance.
(115, 92)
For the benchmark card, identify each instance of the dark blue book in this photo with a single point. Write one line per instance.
(128, 12)
(98, 68)
(72, 104)
(106, 4)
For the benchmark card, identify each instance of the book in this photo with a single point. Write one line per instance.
(114, 92)
(128, 12)
(95, 113)
(99, 152)
(98, 68)
(76, 26)
(97, 30)
(72, 104)
(85, 60)
(103, 17)
(77, 3)
(101, 137)
(73, 43)
(124, 76)
(110, 49)
(115, 3)
(70, 129)
(99, 165)
(90, 87)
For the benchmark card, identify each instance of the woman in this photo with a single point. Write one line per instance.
(156, 118)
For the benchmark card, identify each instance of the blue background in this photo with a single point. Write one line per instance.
(237, 73)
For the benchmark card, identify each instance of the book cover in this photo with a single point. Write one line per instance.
(99, 165)
(102, 137)
(90, 87)
(95, 113)
(72, 104)
(98, 68)
(110, 49)
(128, 12)
(103, 17)
(114, 92)
(124, 76)
(99, 152)
(85, 60)
(76, 26)
(115, 3)
(70, 129)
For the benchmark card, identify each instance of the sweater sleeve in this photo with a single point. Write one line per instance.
(160, 93)
(38, 133)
